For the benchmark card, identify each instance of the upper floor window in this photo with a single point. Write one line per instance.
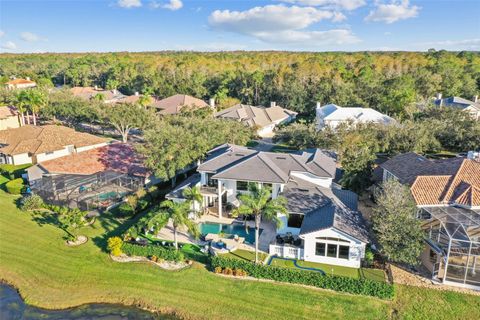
(211, 182)
(295, 220)
(242, 186)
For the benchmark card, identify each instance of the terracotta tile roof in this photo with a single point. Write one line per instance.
(118, 157)
(463, 187)
(41, 139)
(174, 104)
(19, 81)
(429, 190)
(7, 112)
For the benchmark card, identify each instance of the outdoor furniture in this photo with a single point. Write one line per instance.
(297, 242)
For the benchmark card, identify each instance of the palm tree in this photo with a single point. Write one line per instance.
(258, 203)
(37, 101)
(194, 196)
(177, 212)
(21, 102)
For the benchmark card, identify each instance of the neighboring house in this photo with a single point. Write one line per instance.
(33, 144)
(332, 116)
(472, 107)
(20, 84)
(263, 119)
(175, 103)
(9, 118)
(322, 218)
(89, 93)
(447, 194)
(90, 179)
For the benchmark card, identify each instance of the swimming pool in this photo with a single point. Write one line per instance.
(230, 229)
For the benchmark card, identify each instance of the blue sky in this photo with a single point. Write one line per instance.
(214, 25)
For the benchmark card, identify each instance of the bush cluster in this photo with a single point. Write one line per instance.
(15, 186)
(230, 271)
(149, 251)
(332, 282)
(32, 202)
(114, 246)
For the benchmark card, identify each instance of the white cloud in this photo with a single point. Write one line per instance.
(392, 12)
(464, 44)
(2, 33)
(129, 3)
(282, 24)
(337, 4)
(30, 37)
(9, 45)
(270, 18)
(171, 5)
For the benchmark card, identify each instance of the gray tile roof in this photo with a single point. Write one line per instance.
(325, 208)
(456, 102)
(408, 166)
(240, 163)
(190, 182)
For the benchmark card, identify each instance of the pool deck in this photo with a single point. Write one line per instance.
(266, 237)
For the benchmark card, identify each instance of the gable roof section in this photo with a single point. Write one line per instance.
(41, 139)
(174, 104)
(457, 102)
(325, 208)
(429, 190)
(256, 116)
(332, 112)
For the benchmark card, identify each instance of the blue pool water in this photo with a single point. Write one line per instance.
(230, 229)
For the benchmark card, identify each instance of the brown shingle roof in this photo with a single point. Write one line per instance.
(173, 104)
(41, 139)
(118, 157)
(19, 81)
(256, 116)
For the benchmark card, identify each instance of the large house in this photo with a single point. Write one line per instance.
(174, 104)
(9, 118)
(264, 120)
(33, 144)
(89, 93)
(332, 116)
(323, 219)
(20, 84)
(447, 194)
(94, 178)
(472, 107)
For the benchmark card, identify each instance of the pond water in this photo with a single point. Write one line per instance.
(13, 307)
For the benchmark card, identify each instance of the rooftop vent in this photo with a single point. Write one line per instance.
(281, 158)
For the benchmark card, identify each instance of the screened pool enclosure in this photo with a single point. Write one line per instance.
(452, 253)
(86, 192)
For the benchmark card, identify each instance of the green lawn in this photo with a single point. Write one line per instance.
(327, 268)
(245, 254)
(3, 180)
(49, 274)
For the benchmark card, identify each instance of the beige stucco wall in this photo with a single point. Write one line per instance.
(21, 159)
(10, 122)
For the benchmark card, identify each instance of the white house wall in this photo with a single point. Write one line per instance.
(52, 155)
(10, 122)
(323, 182)
(23, 158)
(357, 249)
(85, 148)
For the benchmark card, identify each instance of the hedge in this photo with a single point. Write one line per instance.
(338, 283)
(15, 186)
(11, 171)
(149, 250)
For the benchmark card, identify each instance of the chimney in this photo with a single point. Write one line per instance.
(475, 99)
(319, 105)
(211, 102)
(272, 104)
(439, 96)
(96, 87)
(136, 93)
(28, 78)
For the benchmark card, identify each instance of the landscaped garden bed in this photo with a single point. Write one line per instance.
(338, 283)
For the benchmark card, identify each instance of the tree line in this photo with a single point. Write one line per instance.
(390, 82)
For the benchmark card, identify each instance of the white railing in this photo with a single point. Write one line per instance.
(286, 251)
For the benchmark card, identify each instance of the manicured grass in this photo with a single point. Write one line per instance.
(191, 251)
(3, 181)
(245, 254)
(49, 274)
(327, 268)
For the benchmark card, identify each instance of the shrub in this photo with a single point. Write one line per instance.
(239, 272)
(338, 283)
(32, 202)
(369, 257)
(11, 171)
(154, 258)
(149, 250)
(228, 271)
(132, 200)
(125, 210)
(218, 270)
(142, 205)
(15, 186)
(115, 246)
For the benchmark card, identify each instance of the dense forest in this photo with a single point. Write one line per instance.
(390, 82)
